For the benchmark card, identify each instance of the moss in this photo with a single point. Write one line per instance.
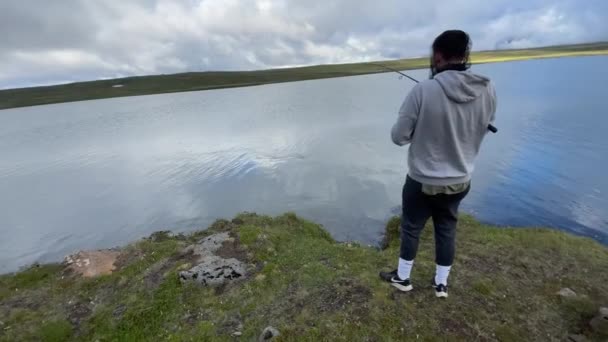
(483, 287)
(392, 232)
(507, 333)
(313, 288)
(33, 276)
(161, 236)
(55, 331)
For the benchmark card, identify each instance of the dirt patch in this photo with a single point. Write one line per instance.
(28, 299)
(232, 249)
(230, 325)
(128, 257)
(456, 328)
(155, 275)
(91, 264)
(77, 312)
(346, 294)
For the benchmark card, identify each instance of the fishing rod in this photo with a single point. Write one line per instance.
(491, 127)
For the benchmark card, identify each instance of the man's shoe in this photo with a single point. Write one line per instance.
(441, 291)
(393, 278)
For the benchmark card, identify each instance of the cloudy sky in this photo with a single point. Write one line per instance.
(45, 42)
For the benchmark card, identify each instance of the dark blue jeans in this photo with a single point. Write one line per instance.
(417, 209)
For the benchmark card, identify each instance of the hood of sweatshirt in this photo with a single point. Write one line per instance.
(462, 86)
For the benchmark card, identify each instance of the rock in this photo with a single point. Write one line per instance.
(237, 333)
(78, 311)
(214, 271)
(566, 293)
(269, 334)
(184, 266)
(577, 338)
(599, 324)
(208, 246)
(91, 264)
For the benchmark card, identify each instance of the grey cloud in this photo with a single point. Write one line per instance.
(26, 25)
(71, 40)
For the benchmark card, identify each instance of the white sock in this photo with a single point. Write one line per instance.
(405, 268)
(441, 274)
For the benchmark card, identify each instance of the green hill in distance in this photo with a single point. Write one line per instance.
(192, 81)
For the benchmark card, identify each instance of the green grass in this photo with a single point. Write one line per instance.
(191, 81)
(55, 331)
(503, 288)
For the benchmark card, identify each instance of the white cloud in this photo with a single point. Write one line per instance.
(79, 39)
(61, 58)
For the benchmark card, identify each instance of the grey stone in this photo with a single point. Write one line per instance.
(237, 333)
(577, 338)
(599, 323)
(566, 293)
(208, 245)
(269, 334)
(214, 271)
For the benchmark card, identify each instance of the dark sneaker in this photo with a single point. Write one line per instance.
(393, 278)
(441, 291)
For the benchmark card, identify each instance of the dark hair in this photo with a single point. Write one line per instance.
(453, 44)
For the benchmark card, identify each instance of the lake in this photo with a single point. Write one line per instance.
(103, 173)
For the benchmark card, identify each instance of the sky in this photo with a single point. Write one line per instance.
(48, 42)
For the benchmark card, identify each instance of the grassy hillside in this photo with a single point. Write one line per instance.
(309, 287)
(212, 80)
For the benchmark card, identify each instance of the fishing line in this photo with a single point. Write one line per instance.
(491, 127)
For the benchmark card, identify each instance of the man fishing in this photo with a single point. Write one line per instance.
(444, 120)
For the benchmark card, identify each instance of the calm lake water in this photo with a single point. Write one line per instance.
(103, 173)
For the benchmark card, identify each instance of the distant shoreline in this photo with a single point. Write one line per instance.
(195, 81)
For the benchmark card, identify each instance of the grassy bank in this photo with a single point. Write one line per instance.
(213, 80)
(311, 288)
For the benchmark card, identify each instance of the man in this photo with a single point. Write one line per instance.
(444, 119)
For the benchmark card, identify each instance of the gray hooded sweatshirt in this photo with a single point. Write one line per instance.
(445, 119)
